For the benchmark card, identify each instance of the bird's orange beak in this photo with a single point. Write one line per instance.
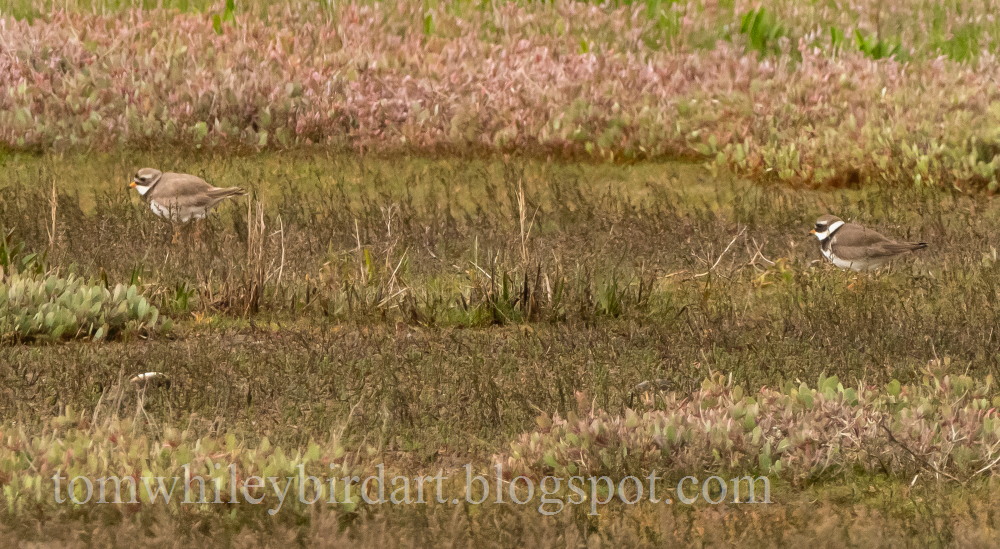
(812, 231)
(132, 185)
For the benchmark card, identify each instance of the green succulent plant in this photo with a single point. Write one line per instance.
(53, 307)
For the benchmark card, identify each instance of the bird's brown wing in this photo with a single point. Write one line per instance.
(855, 242)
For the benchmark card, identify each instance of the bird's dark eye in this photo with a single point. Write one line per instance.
(820, 227)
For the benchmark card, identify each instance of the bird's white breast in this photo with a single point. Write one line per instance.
(854, 265)
(845, 264)
(182, 214)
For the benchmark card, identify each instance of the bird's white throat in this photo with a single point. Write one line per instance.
(143, 189)
(829, 231)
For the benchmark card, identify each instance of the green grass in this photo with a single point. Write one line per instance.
(429, 309)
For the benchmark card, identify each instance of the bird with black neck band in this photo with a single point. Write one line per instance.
(179, 197)
(851, 246)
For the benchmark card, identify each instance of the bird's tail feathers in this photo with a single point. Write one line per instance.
(227, 192)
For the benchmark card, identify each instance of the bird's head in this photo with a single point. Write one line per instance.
(145, 179)
(825, 226)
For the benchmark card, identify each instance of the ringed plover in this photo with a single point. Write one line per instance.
(179, 196)
(851, 246)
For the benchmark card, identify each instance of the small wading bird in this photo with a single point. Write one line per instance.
(851, 246)
(179, 197)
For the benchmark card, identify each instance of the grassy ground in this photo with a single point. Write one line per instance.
(422, 312)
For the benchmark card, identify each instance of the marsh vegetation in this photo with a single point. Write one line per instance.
(424, 313)
(478, 234)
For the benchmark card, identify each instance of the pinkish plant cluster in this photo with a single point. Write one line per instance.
(658, 79)
(944, 427)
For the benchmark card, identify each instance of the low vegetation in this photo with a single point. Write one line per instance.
(944, 426)
(424, 313)
(565, 238)
(803, 92)
(52, 307)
